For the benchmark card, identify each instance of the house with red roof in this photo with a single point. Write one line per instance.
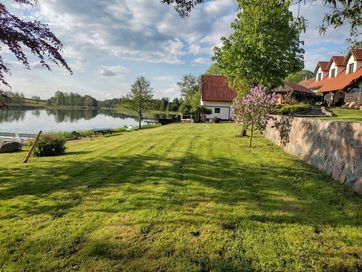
(217, 96)
(340, 81)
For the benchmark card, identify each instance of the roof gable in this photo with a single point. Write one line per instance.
(215, 88)
(323, 65)
(356, 53)
(338, 60)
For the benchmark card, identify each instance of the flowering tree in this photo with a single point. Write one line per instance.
(251, 110)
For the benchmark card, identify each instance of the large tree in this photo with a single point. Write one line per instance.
(299, 76)
(189, 86)
(140, 97)
(264, 47)
(341, 12)
(17, 34)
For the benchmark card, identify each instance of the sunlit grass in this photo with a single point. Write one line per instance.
(341, 114)
(184, 197)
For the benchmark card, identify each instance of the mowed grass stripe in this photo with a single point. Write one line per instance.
(183, 197)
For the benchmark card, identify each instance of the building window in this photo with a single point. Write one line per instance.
(319, 76)
(333, 72)
(217, 110)
(351, 68)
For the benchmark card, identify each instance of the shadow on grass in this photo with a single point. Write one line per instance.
(300, 195)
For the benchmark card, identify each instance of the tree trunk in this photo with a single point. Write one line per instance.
(251, 135)
(140, 121)
(243, 131)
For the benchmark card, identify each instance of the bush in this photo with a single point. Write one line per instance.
(216, 120)
(50, 145)
(292, 109)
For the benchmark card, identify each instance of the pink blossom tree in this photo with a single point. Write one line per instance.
(251, 110)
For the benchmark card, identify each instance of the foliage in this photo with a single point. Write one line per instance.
(183, 197)
(50, 145)
(214, 69)
(299, 76)
(183, 7)
(4, 100)
(293, 109)
(61, 99)
(140, 97)
(264, 48)
(189, 86)
(251, 110)
(17, 34)
(216, 120)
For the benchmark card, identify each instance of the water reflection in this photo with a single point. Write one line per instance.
(19, 120)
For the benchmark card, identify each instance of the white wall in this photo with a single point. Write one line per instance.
(324, 74)
(357, 64)
(334, 66)
(225, 109)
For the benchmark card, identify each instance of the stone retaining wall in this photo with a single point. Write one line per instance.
(332, 146)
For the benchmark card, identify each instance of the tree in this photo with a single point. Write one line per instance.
(253, 108)
(90, 102)
(164, 103)
(342, 12)
(299, 76)
(140, 97)
(189, 86)
(17, 34)
(264, 48)
(214, 69)
(4, 99)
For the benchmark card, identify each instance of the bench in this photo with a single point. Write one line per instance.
(103, 131)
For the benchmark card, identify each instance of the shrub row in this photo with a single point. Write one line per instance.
(293, 109)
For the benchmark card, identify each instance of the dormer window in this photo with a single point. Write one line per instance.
(320, 76)
(333, 72)
(351, 68)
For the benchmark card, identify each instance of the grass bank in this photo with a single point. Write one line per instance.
(183, 197)
(340, 114)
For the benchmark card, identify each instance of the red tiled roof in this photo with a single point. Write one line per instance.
(340, 82)
(357, 54)
(323, 65)
(306, 82)
(214, 88)
(297, 87)
(338, 60)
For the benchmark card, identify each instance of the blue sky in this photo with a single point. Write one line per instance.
(109, 43)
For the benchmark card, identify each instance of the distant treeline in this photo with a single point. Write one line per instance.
(15, 97)
(61, 99)
(71, 99)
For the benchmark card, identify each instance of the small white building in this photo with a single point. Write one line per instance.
(217, 96)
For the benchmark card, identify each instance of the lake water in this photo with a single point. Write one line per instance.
(31, 121)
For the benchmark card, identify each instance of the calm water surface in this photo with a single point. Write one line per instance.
(31, 121)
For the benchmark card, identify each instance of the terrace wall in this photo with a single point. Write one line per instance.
(332, 146)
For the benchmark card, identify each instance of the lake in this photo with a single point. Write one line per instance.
(31, 121)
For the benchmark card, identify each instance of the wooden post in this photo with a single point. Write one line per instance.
(32, 147)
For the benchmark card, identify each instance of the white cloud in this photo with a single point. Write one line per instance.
(201, 61)
(112, 71)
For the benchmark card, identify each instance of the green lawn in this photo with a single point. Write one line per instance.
(184, 197)
(341, 114)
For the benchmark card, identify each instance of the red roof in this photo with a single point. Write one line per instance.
(340, 82)
(357, 54)
(323, 65)
(306, 82)
(338, 60)
(298, 88)
(214, 88)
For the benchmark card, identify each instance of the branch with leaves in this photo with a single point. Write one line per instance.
(15, 34)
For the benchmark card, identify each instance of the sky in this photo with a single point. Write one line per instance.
(109, 43)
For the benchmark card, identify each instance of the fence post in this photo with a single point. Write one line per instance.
(32, 147)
